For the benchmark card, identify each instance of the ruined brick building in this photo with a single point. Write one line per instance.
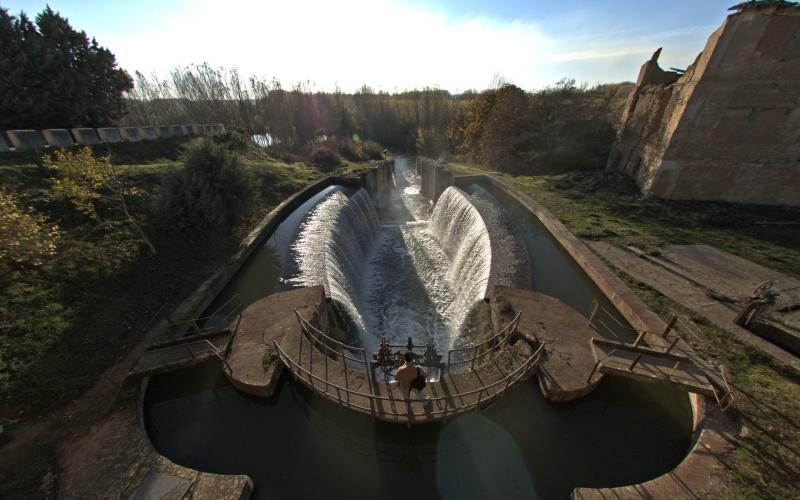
(728, 128)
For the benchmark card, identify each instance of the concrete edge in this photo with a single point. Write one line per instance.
(203, 295)
(699, 473)
(140, 419)
(712, 434)
(629, 305)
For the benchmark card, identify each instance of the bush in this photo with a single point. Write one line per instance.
(213, 190)
(26, 237)
(372, 150)
(269, 356)
(350, 150)
(233, 140)
(325, 158)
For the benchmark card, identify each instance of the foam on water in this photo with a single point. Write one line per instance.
(410, 276)
(332, 247)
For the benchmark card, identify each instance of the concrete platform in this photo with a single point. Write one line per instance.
(265, 321)
(568, 360)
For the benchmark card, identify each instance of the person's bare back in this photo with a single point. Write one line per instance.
(405, 375)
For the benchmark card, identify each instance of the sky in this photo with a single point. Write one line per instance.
(395, 45)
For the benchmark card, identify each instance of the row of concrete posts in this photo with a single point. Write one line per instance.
(20, 140)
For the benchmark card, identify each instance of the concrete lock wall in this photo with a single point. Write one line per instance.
(109, 135)
(85, 136)
(3, 144)
(728, 128)
(26, 139)
(58, 137)
(435, 180)
(130, 134)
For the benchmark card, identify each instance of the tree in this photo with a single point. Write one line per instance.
(212, 191)
(84, 181)
(55, 76)
(26, 237)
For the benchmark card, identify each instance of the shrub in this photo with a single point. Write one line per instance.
(372, 150)
(26, 237)
(269, 356)
(213, 190)
(350, 150)
(324, 158)
(233, 140)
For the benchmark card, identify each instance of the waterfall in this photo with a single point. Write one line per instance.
(333, 245)
(462, 233)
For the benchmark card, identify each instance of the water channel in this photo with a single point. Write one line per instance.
(398, 267)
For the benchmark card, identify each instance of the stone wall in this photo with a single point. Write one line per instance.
(728, 129)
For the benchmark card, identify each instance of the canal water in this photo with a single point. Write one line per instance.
(398, 267)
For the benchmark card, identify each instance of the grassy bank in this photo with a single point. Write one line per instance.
(597, 205)
(64, 323)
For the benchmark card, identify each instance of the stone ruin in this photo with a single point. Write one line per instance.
(728, 127)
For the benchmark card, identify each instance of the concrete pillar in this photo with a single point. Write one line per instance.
(58, 137)
(444, 179)
(26, 139)
(3, 144)
(85, 136)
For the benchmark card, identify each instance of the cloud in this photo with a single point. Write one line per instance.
(381, 43)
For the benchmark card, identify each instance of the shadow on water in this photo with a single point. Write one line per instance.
(296, 445)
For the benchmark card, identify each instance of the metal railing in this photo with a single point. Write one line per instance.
(723, 400)
(451, 406)
(332, 350)
(483, 349)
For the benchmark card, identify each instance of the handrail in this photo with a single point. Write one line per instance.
(510, 380)
(322, 339)
(506, 332)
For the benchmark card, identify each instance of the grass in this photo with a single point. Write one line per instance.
(63, 324)
(599, 205)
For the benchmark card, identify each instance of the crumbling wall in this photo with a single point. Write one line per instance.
(729, 128)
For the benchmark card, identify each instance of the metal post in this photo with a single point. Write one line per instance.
(595, 308)
(674, 342)
(635, 362)
(670, 325)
